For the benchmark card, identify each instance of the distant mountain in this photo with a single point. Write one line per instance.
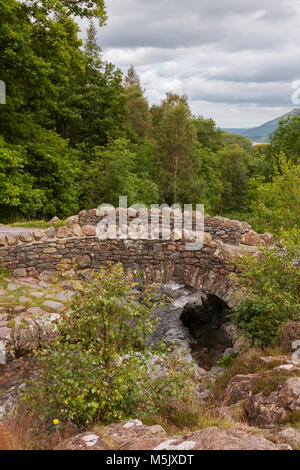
(262, 133)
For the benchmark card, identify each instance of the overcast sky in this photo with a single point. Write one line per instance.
(235, 59)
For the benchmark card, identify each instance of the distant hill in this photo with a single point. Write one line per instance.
(262, 133)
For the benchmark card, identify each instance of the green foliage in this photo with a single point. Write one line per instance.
(208, 135)
(139, 118)
(271, 286)
(237, 139)
(112, 173)
(234, 169)
(286, 139)
(17, 193)
(100, 368)
(227, 360)
(276, 204)
(176, 154)
(209, 186)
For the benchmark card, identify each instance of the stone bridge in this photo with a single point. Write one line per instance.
(40, 253)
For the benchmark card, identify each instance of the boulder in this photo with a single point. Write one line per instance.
(251, 238)
(11, 239)
(275, 408)
(76, 230)
(268, 240)
(39, 235)
(20, 272)
(241, 344)
(134, 435)
(54, 306)
(73, 220)
(291, 436)
(89, 230)
(82, 261)
(50, 232)
(32, 328)
(54, 220)
(62, 232)
(239, 388)
(25, 237)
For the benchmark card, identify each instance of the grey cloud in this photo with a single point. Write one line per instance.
(225, 54)
(172, 24)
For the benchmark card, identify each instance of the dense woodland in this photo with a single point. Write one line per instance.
(76, 133)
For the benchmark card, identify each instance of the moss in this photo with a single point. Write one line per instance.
(61, 223)
(11, 324)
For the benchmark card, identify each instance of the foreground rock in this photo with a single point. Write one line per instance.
(267, 408)
(276, 408)
(134, 435)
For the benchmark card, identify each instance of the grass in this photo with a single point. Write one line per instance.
(61, 223)
(31, 224)
(271, 379)
(246, 363)
(24, 431)
(39, 224)
(185, 417)
(4, 276)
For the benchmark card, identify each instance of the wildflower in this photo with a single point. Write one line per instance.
(56, 422)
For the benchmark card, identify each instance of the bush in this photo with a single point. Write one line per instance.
(99, 367)
(270, 282)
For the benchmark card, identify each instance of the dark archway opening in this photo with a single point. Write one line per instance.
(208, 324)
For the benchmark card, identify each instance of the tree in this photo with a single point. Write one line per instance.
(55, 170)
(234, 177)
(286, 138)
(17, 195)
(237, 139)
(209, 136)
(91, 47)
(132, 78)
(276, 204)
(176, 154)
(81, 8)
(209, 186)
(139, 119)
(111, 174)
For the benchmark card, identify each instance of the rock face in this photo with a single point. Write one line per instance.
(262, 409)
(134, 435)
(239, 388)
(291, 436)
(274, 409)
(251, 238)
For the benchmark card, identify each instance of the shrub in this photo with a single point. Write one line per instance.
(99, 368)
(270, 282)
